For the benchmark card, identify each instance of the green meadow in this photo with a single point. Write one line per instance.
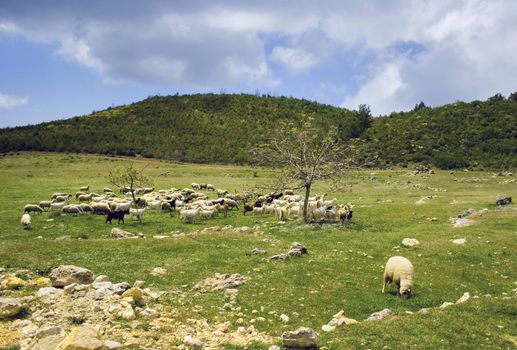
(344, 267)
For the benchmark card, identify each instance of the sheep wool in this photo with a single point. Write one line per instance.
(399, 271)
(26, 221)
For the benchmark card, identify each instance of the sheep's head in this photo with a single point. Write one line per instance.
(405, 292)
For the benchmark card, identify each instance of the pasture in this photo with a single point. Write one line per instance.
(343, 270)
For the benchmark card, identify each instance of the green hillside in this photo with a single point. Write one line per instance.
(222, 128)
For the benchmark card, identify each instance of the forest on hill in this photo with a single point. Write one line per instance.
(222, 128)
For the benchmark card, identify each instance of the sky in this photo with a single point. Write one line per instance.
(62, 58)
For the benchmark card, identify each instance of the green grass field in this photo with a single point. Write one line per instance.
(343, 270)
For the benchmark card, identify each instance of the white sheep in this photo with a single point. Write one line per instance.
(210, 187)
(73, 209)
(32, 208)
(45, 204)
(189, 215)
(84, 188)
(62, 198)
(196, 186)
(26, 221)
(58, 206)
(138, 213)
(399, 271)
(107, 189)
(123, 206)
(221, 192)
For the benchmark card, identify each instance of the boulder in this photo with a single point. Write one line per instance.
(220, 282)
(302, 338)
(11, 307)
(459, 241)
(379, 315)
(85, 337)
(13, 282)
(45, 291)
(67, 274)
(410, 242)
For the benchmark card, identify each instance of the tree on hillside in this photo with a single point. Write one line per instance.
(129, 177)
(306, 154)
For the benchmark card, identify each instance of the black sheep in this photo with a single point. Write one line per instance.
(119, 215)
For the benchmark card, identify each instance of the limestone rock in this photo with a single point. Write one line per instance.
(220, 282)
(446, 304)
(459, 241)
(13, 282)
(46, 291)
(464, 298)
(157, 271)
(68, 274)
(195, 344)
(11, 307)
(410, 242)
(50, 342)
(339, 319)
(301, 338)
(85, 337)
(137, 294)
(328, 328)
(379, 315)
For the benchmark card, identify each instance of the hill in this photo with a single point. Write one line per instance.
(221, 128)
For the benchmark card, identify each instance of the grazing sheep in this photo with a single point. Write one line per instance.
(84, 198)
(399, 271)
(221, 192)
(84, 188)
(56, 194)
(210, 187)
(195, 186)
(45, 204)
(26, 221)
(123, 206)
(86, 208)
(247, 208)
(202, 186)
(72, 209)
(77, 194)
(58, 206)
(100, 208)
(59, 199)
(189, 215)
(32, 208)
(107, 189)
(289, 192)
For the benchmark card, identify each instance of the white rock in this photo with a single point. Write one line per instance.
(157, 271)
(328, 328)
(284, 318)
(464, 298)
(301, 338)
(410, 242)
(45, 291)
(459, 241)
(379, 315)
(446, 304)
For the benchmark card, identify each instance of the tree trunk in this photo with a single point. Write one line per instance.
(306, 201)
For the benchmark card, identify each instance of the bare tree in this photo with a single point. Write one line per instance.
(129, 177)
(306, 154)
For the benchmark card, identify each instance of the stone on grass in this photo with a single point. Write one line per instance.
(220, 282)
(340, 319)
(379, 315)
(284, 318)
(13, 282)
(85, 337)
(327, 328)
(67, 274)
(11, 307)
(459, 241)
(302, 338)
(410, 242)
(157, 271)
(195, 344)
(45, 291)
(464, 298)
(446, 304)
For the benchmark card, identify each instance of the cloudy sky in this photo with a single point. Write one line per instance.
(64, 58)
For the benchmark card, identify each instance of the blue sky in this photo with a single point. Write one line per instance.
(60, 59)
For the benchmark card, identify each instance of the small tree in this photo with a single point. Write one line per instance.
(306, 156)
(129, 177)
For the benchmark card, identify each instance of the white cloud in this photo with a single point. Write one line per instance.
(296, 59)
(11, 101)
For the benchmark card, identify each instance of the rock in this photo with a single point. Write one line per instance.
(101, 278)
(284, 318)
(119, 233)
(157, 271)
(339, 319)
(446, 304)
(42, 282)
(459, 241)
(220, 282)
(127, 313)
(466, 213)
(139, 284)
(149, 313)
(137, 294)
(463, 222)
(68, 274)
(120, 288)
(257, 251)
(112, 345)
(11, 307)
(279, 257)
(410, 242)
(297, 249)
(328, 328)
(464, 298)
(503, 201)
(13, 282)
(46, 291)
(195, 344)
(85, 337)
(274, 347)
(379, 315)
(48, 343)
(302, 338)
(49, 330)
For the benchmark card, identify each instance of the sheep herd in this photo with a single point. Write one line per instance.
(191, 204)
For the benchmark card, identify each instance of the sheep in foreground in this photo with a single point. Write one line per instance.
(32, 208)
(26, 221)
(399, 271)
(72, 209)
